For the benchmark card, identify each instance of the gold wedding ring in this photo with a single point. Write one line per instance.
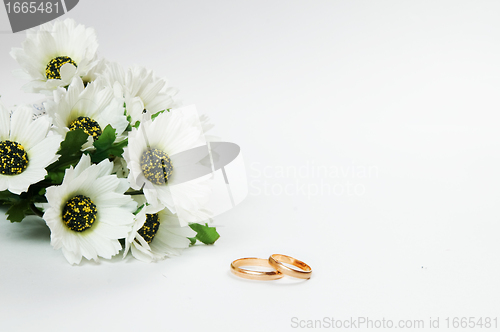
(277, 260)
(252, 274)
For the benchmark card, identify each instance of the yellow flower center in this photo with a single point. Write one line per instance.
(53, 69)
(156, 166)
(88, 125)
(13, 158)
(150, 227)
(79, 213)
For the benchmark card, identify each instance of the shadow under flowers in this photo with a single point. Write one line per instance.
(32, 229)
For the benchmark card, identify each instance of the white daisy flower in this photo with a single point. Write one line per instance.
(55, 54)
(147, 157)
(97, 71)
(142, 90)
(114, 74)
(157, 234)
(26, 148)
(89, 212)
(90, 109)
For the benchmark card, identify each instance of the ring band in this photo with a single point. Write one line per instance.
(251, 274)
(277, 261)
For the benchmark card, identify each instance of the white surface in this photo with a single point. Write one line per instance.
(404, 91)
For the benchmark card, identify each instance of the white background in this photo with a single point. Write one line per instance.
(398, 100)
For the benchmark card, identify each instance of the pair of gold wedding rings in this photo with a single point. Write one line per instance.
(277, 262)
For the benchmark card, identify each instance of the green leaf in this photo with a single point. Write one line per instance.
(17, 211)
(129, 119)
(193, 240)
(55, 176)
(205, 233)
(107, 137)
(69, 151)
(73, 142)
(139, 209)
(106, 147)
(154, 116)
(117, 149)
(6, 197)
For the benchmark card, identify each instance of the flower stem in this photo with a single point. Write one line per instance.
(36, 210)
(134, 192)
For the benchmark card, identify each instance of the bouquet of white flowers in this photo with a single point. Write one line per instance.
(96, 161)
